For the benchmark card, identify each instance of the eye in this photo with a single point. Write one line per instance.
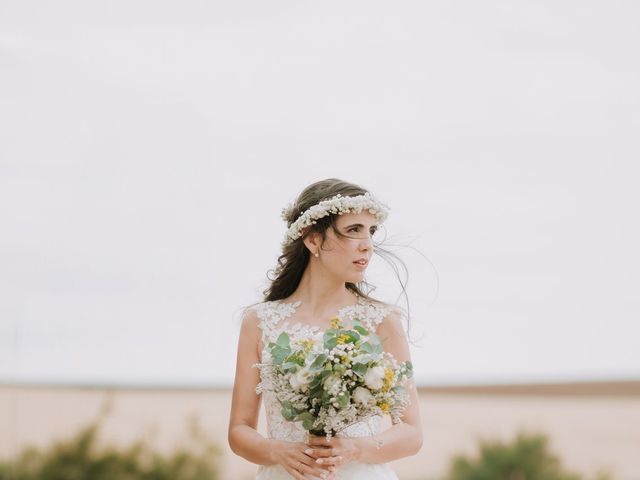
(354, 229)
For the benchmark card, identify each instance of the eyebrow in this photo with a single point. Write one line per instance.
(360, 225)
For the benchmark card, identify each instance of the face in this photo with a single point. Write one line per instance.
(348, 256)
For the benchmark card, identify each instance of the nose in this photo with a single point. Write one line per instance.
(366, 243)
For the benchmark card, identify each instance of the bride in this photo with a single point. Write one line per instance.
(320, 274)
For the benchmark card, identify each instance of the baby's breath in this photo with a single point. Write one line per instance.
(336, 205)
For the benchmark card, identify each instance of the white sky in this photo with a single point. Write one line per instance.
(147, 148)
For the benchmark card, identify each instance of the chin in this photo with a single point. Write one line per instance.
(355, 278)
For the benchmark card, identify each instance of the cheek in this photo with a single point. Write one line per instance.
(338, 258)
(340, 253)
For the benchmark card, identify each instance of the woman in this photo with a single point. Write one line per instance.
(320, 274)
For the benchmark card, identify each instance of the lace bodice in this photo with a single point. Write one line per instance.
(274, 319)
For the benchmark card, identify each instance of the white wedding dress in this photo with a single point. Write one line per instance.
(273, 321)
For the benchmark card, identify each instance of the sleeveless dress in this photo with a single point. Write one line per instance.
(273, 317)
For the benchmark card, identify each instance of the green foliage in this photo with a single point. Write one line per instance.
(80, 458)
(526, 458)
(281, 349)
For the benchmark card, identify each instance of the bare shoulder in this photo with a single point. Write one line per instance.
(250, 319)
(390, 317)
(392, 333)
(251, 329)
(393, 320)
(387, 311)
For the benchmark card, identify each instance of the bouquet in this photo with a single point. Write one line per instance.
(332, 384)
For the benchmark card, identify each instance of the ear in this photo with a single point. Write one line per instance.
(312, 242)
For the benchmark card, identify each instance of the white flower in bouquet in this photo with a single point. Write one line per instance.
(332, 385)
(374, 378)
(300, 380)
(362, 396)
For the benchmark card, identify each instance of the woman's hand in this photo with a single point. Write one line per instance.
(334, 452)
(298, 464)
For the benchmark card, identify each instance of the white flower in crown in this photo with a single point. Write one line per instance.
(337, 206)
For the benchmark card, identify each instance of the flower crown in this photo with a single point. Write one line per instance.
(336, 205)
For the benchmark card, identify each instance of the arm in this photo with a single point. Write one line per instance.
(243, 437)
(405, 438)
(402, 439)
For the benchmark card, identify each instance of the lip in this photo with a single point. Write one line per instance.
(362, 262)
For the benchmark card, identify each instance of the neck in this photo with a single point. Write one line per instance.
(320, 292)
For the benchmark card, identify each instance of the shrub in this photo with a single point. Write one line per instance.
(526, 458)
(80, 458)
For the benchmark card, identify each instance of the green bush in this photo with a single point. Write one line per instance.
(526, 458)
(80, 458)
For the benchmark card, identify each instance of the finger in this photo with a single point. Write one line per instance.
(316, 475)
(295, 474)
(322, 452)
(333, 460)
(323, 476)
(308, 466)
(303, 472)
(317, 441)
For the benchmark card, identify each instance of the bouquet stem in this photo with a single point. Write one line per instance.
(322, 433)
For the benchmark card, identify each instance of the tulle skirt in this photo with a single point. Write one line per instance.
(347, 471)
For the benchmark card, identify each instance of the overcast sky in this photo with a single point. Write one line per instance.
(147, 148)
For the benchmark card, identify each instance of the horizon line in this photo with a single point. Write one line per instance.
(609, 386)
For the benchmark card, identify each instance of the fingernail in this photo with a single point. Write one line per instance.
(308, 451)
(319, 460)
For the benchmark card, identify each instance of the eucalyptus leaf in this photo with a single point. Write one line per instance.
(353, 336)
(315, 385)
(318, 379)
(399, 389)
(279, 354)
(290, 366)
(307, 420)
(343, 399)
(283, 340)
(288, 412)
(409, 368)
(359, 368)
(361, 330)
(330, 343)
(296, 358)
(318, 362)
(339, 369)
(366, 347)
